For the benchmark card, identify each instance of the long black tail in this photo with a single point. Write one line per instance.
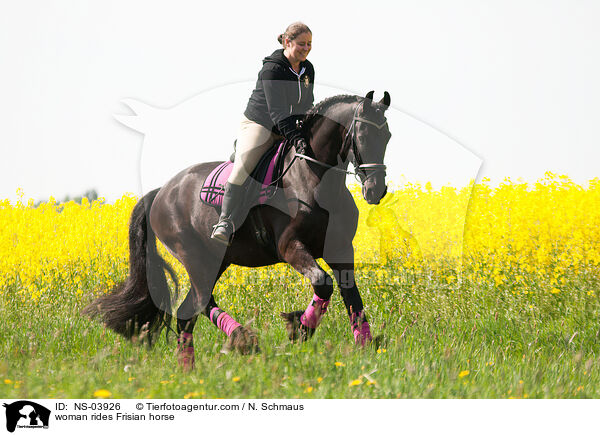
(141, 305)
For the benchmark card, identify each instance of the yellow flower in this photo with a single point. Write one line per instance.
(102, 394)
(463, 373)
(319, 379)
(339, 364)
(555, 291)
(355, 382)
(236, 379)
(8, 381)
(308, 390)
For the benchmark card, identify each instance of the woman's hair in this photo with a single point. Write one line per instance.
(293, 31)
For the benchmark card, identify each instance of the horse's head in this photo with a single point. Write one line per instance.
(370, 136)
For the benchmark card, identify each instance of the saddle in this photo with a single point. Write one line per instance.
(260, 183)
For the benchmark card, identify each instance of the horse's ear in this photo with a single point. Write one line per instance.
(385, 101)
(368, 100)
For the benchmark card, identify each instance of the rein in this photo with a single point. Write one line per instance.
(358, 167)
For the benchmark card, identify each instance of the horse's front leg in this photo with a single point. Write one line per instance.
(302, 324)
(344, 274)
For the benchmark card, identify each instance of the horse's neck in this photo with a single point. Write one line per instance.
(329, 134)
(327, 145)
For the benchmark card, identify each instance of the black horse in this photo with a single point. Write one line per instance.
(318, 219)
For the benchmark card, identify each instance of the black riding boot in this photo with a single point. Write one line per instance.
(232, 213)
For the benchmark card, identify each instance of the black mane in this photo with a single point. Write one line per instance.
(318, 109)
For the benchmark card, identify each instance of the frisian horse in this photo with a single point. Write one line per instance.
(318, 219)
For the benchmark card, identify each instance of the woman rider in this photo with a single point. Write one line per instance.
(283, 94)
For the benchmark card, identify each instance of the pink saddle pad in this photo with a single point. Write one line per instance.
(214, 185)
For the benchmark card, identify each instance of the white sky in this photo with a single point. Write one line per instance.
(514, 82)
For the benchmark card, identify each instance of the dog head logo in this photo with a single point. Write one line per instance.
(26, 414)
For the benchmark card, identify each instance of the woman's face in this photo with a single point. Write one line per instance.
(299, 48)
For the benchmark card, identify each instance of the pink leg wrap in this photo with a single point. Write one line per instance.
(224, 322)
(185, 350)
(360, 328)
(314, 313)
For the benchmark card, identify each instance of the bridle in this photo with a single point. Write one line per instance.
(360, 167)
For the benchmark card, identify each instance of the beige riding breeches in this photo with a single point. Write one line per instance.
(253, 141)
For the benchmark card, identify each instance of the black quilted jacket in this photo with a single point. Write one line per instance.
(281, 96)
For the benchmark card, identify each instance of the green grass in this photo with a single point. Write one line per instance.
(534, 345)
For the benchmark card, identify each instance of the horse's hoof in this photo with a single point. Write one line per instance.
(364, 342)
(295, 329)
(244, 340)
(185, 352)
(186, 360)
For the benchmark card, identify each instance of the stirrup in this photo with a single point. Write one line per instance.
(226, 235)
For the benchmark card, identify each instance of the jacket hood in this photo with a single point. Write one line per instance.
(277, 57)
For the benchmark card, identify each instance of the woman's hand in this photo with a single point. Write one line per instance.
(300, 145)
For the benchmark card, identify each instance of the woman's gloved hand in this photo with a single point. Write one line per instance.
(300, 145)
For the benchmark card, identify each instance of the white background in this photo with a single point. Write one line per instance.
(514, 82)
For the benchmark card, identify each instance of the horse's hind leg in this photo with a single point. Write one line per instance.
(241, 338)
(196, 300)
(185, 328)
(200, 300)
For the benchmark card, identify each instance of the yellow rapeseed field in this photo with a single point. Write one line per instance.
(506, 235)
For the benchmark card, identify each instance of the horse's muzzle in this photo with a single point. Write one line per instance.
(373, 193)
